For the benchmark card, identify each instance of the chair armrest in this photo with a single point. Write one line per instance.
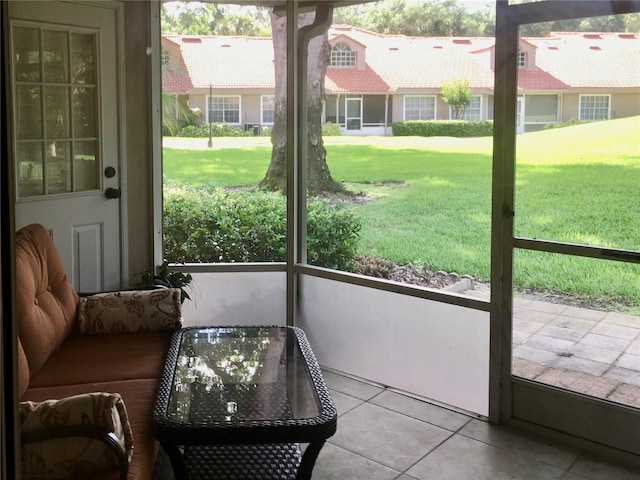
(75, 437)
(131, 311)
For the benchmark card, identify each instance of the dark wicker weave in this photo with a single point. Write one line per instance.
(243, 462)
(247, 446)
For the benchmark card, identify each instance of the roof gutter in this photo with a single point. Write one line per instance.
(320, 25)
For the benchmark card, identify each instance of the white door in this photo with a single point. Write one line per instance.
(354, 113)
(66, 144)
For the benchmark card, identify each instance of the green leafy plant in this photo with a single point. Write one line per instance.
(212, 225)
(443, 128)
(457, 94)
(167, 277)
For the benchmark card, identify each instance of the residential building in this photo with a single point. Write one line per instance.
(82, 115)
(374, 80)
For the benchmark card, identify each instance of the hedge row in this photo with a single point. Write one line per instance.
(202, 131)
(209, 225)
(443, 128)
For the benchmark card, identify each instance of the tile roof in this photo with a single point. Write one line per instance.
(397, 63)
(226, 62)
(590, 60)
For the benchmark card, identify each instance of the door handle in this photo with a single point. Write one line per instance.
(112, 193)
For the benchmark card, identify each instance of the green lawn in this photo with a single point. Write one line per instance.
(432, 198)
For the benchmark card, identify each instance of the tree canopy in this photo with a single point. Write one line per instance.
(215, 19)
(457, 94)
(394, 17)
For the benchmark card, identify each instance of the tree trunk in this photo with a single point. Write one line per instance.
(318, 176)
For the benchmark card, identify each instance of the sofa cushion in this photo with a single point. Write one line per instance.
(104, 358)
(134, 311)
(49, 449)
(139, 399)
(46, 300)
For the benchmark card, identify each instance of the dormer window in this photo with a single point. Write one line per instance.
(342, 56)
(164, 58)
(522, 59)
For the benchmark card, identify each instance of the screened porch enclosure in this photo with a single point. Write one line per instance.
(430, 349)
(362, 114)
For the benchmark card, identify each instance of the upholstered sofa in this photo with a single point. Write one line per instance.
(89, 368)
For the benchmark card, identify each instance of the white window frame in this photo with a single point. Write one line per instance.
(467, 111)
(342, 56)
(404, 107)
(164, 58)
(522, 59)
(592, 110)
(209, 98)
(262, 109)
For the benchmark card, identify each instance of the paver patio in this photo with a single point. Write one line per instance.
(588, 351)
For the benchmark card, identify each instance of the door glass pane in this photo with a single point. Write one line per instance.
(83, 58)
(57, 112)
(85, 166)
(30, 171)
(26, 54)
(28, 112)
(55, 56)
(84, 112)
(58, 167)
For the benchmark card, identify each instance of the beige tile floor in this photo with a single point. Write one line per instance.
(385, 435)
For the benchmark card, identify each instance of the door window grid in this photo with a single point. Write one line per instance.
(55, 94)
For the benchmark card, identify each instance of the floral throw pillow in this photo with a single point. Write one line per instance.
(58, 436)
(130, 311)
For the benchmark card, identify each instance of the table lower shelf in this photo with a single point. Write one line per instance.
(242, 462)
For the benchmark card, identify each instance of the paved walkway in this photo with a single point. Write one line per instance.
(588, 351)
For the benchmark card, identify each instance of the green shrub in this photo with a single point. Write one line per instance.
(332, 236)
(217, 130)
(209, 225)
(443, 128)
(331, 129)
(569, 123)
(265, 131)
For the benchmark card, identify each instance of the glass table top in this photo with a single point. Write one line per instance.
(241, 374)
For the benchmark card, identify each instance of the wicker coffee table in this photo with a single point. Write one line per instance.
(236, 402)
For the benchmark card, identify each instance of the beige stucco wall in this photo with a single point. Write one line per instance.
(622, 105)
(625, 105)
(250, 109)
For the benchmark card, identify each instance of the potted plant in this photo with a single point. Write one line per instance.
(167, 277)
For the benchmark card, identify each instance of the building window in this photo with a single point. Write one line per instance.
(420, 108)
(342, 56)
(268, 104)
(522, 59)
(223, 110)
(594, 107)
(164, 58)
(473, 110)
